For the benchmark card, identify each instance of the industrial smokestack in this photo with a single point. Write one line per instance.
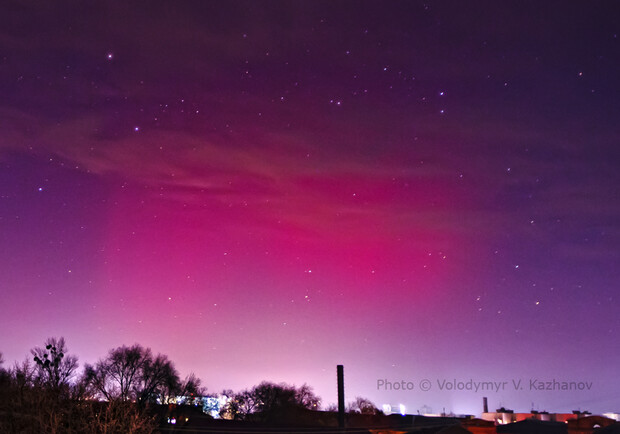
(340, 373)
(485, 405)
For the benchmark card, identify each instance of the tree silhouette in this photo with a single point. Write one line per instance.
(54, 367)
(240, 406)
(42, 394)
(5, 376)
(269, 401)
(305, 398)
(363, 406)
(190, 387)
(133, 374)
(157, 376)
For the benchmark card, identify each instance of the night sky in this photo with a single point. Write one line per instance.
(264, 190)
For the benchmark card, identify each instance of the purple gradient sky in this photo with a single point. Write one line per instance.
(263, 190)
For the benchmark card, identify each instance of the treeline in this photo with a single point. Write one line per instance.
(46, 394)
(127, 391)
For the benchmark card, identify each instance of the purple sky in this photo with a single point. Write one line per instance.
(263, 190)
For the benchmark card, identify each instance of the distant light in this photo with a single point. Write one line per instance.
(40, 188)
(110, 56)
(136, 129)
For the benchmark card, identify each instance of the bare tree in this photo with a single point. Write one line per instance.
(269, 401)
(133, 373)
(23, 376)
(240, 405)
(5, 376)
(157, 378)
(28, 404)
(190, 388)
(114, 376)
(332, 408)
(54, 367)
(192, 385)
(363, 406)
(305, 397)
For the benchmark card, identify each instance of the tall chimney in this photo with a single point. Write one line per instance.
(340, 373)
(485, 405)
